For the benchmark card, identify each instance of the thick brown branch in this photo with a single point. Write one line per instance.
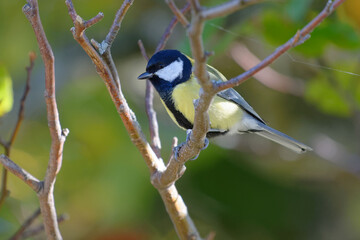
(201, 122)
(58, 135)
(178, 212)
(176, 207)
(128, 117)
(30, 180)
(298, 38)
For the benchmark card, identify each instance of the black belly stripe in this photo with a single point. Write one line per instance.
(179, 117)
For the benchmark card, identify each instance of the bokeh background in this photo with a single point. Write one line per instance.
(241, 187)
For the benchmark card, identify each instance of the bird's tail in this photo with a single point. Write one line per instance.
(281, 138)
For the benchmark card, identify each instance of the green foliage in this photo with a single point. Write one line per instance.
(247, 193)
(320, 92)
(6, 91)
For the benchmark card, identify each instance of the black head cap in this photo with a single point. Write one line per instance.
(164, 58)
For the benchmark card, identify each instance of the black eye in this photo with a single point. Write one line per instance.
(161, 66)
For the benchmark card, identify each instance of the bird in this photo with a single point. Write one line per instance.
(171, 74)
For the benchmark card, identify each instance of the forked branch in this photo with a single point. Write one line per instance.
(174, 204)
(200, 14)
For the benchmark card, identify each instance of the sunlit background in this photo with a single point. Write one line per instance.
(241, 187)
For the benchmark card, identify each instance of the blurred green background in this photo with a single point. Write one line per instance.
(241, 187)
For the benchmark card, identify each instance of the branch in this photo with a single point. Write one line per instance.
(58, 136)
(127, 116)
(179, 15)
(170, 28)
(149, 93)
(174, 204)
(300, 37)
(193, 145)
(150, 112)
(26, 177)
(8, 145)
(226, 8)
(268, 76)
(38, 229)
(25, 225)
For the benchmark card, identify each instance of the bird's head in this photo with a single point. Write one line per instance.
(167, 68)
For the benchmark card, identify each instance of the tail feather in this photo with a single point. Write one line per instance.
(282, 139)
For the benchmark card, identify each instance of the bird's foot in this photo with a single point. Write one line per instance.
(206, 144)
(188, 134)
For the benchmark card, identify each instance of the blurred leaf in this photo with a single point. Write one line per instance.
(349, 12)
(276, 29)
(6, 91)
(325, 97)
(341, 34)
(297, 10)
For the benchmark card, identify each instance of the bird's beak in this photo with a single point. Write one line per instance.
(145, 75)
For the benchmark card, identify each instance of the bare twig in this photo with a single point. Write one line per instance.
(193, 146)
(25, 225)
(174, 204)
(179, 15)
(38, 229)
(298, 38)
(8, 145)
(128, 117)
(58, 136)
(149, 93)
(268, 76)
(150, 112)
(226, 8)
(170, 28)
(30, 180)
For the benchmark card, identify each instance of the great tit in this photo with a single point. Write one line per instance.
(170, 72)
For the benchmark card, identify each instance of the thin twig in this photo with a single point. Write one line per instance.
(104, 47)
(58, 136)
(127, 116)
(38, 229)
(193, 146)
(94, 20)
(298, 38)
(150, 112)
(117, 22)
(29, 69)
(179, 15)
(268, 76)
(149, 92)
(168, 31)
(226, 8)
(25, 225)
(174, 204)
(8, 145)
(30, 180)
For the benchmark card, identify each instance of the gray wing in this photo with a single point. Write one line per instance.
(233, 96)
(230, 94)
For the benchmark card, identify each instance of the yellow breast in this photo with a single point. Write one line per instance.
(223, 114)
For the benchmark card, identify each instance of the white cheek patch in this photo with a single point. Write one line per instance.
(171, 71)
